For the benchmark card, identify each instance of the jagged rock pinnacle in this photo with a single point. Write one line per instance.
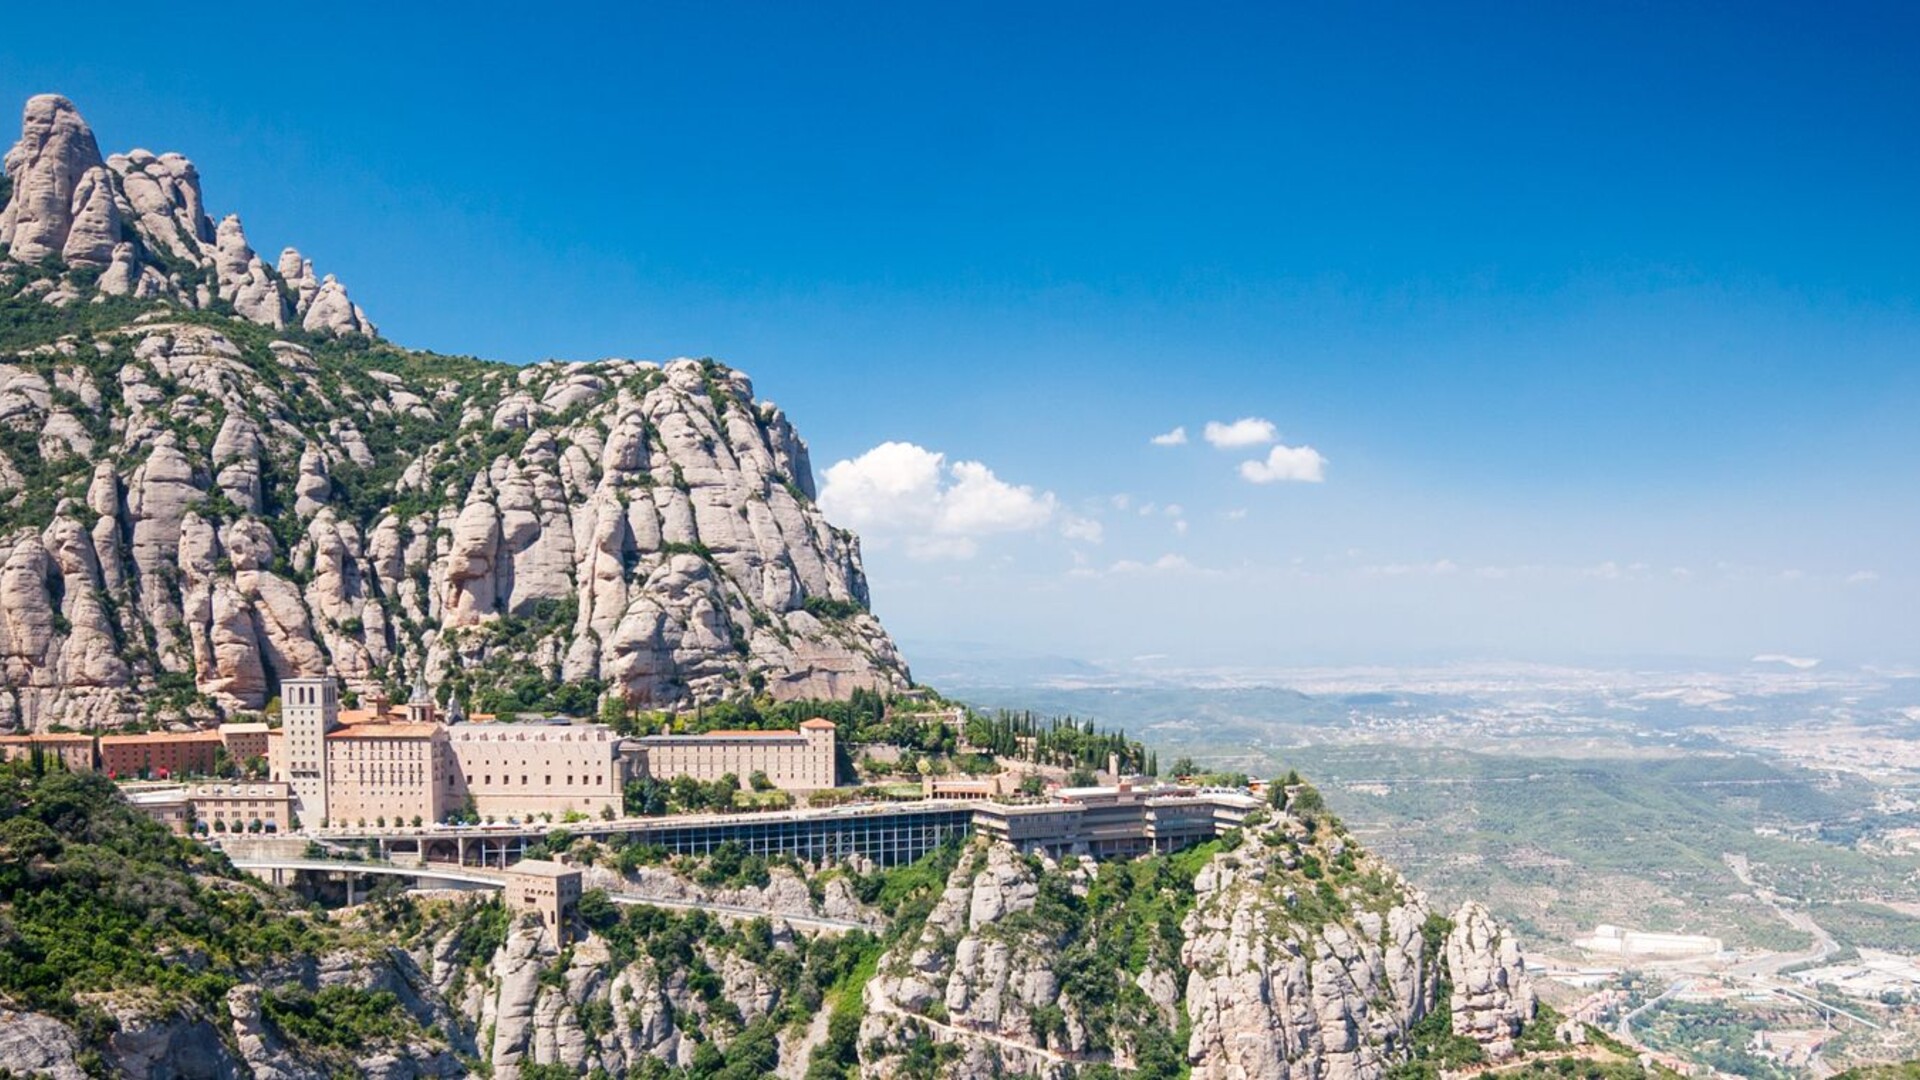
(139, 218)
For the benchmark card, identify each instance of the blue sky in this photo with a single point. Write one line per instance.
(1604, 323)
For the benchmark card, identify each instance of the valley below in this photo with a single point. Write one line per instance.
(1750, 831)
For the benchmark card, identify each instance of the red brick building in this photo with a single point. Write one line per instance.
(162, 753)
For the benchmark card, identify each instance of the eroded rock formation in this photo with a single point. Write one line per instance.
(235, 482)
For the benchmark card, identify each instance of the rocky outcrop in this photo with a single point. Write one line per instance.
(36, 1045)
(1286, 954)
(1298, 957)
(1492, 996)
(135, 225)
(55, 173)
(251, 513)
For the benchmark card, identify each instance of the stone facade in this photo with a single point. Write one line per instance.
(519, 769)
(309, 708)
(239, 805)
(364, 766)
(220, 807)
(397, 772)
(549, 888)
(74, 752)
(800, 760)
(244, 741)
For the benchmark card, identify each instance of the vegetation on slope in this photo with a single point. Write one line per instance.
(97, 902)
(96, 897)
(1632, 841)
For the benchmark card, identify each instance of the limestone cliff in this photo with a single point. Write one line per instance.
(1281, 950)
(1285, 953)
(214, 479)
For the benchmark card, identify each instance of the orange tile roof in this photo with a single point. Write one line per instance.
(160, 737)
(817, 724)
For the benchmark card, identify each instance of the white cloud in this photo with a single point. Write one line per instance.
(900, 490)
(1862, 577)
(1173, 510)
(980, 502)
(1237, 514)
(1286, 463)
(1086, 530)
(1180, 527)
(1246, 431)
(1165, 564)
(1122, 501)
(893, 485)
(1176, 437)
(1439, 568)
(1168, 565)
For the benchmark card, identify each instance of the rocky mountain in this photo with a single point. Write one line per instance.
(1281, 951)
(1284, 953)
(134, 225)
(213, 476)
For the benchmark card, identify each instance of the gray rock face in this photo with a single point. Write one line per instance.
(983, 980)
(35, 1045)
(647, 527)
(1277, 977)
(1274, 992)
(139, 218)
(1492, 996)
(55, 157)
(1274, 986)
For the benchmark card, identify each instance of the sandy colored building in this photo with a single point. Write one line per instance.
(395, 764)
(244, 741)
(397, 772)
(521, 769)
(1622, 941)
(167, 805)
(309, 708)
(160, 753)
(800, 760)
(239, 805)
(219, 807)
(552, 889)
(74, 751)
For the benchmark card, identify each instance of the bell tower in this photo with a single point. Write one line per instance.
(309, 708)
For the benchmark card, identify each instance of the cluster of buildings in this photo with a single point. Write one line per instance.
(411, 765)
(1116, 822)
(154, 754)
(1872, 976)
(408, 765)
(1611, 940)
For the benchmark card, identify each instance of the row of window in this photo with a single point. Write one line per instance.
(486, 780)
